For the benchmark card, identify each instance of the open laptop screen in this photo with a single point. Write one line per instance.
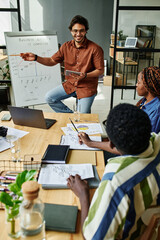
(30, 117)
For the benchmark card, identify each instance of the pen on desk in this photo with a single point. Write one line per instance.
(4, 189)
(8, 177)
(5, 184)
(74, 125)
(14, 55)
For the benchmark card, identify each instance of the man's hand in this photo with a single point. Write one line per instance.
(78, 77)
(84, 138)
(81, 189)
(78, 186)
(28, 56)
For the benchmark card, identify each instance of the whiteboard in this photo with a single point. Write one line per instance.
(31, 80)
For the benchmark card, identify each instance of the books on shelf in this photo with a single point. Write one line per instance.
(147, 44)
(55, 154)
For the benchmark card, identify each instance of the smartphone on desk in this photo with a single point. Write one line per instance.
(6, 117)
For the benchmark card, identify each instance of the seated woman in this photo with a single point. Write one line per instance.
(148, 86)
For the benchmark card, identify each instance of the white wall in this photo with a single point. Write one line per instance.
(38, 15)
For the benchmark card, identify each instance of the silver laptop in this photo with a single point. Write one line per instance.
(30, 117)
(130, 42)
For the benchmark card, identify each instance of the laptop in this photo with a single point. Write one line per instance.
(130, 42)
(30, 117)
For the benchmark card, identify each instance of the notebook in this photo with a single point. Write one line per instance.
(55, 154)
(30, 117)
(61, 218)
(92, 182)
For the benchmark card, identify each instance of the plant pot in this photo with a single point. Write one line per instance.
(12, 224)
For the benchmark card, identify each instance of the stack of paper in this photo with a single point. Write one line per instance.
(4, 144)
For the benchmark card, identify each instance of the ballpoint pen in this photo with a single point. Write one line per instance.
(74, 125)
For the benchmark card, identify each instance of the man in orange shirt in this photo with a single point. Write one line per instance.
(79, 55)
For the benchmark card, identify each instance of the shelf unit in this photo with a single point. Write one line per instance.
(5, 90)
(17, 9)
(146, 39)
(146, 36)
(125, 50)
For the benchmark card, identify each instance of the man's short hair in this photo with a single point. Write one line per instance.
(79, 19)
(128, 128)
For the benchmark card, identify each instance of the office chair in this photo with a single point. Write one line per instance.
(152, 228)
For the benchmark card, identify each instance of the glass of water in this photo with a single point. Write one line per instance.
(76, 111)
(14, 147)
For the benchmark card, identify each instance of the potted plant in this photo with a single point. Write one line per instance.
(13, 200)
(5, 71)
(122, 38)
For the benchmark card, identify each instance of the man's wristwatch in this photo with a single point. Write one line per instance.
(35, 58)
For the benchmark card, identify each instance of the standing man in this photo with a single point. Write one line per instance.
(80, 55)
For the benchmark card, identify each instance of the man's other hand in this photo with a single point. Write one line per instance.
(28, 56)
(78, 186)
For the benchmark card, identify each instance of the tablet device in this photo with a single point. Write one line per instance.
(130, 42)
(68, 72)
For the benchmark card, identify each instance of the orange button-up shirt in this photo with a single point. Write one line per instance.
(87, 58)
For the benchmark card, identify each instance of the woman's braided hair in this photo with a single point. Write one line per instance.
(151, 80)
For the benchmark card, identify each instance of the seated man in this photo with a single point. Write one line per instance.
(130, 183)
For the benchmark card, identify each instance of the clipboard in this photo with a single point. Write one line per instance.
(81, 156)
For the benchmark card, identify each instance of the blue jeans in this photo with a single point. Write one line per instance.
(54, 97)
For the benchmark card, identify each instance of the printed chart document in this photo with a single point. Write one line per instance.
(4, 144)
(89, 128)
(73, 141)
(57, 174)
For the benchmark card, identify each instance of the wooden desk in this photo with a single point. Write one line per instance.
(36, 142)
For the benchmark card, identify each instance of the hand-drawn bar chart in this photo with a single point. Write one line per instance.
(31, 80)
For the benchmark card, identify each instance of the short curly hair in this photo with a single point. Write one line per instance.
(128, 128)
(81, 20)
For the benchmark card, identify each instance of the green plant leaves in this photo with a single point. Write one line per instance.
(12, 212)
(29, 176)
(20, 179)
(12, 203)
(6, 199)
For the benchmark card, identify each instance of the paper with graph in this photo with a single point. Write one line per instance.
(88, 128)
(31, 80)
(73, 141)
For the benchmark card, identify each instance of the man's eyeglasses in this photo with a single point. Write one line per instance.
(78, 31)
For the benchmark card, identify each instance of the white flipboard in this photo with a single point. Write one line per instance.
(31, 80)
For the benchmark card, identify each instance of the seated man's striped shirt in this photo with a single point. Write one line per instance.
(129, 186)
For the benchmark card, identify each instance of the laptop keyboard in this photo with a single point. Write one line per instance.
(49, 122)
